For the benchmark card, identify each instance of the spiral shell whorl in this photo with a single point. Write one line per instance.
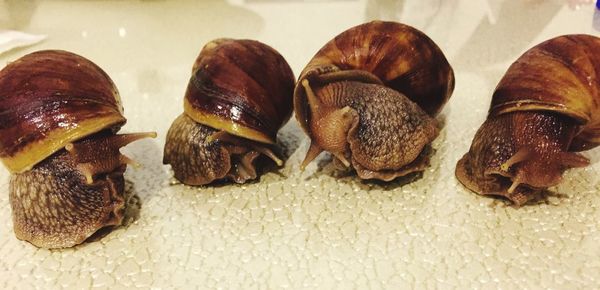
(560, 75)
(402, 57)
(243, 87)
(49, 99)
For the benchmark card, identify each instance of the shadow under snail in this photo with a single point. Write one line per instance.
(59, 114)
(369, 97)
(544, 110)
(238, 97)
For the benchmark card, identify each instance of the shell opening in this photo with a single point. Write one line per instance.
(348, 75)
(228, 125)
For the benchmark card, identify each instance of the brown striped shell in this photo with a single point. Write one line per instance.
(545, 108)
(237, 99)
(560, 75)
(49, 99)
(369, 97)
(243, 87)
(401, 57)
(59, 113)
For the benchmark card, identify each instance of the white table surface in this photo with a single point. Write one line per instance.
(311, 229)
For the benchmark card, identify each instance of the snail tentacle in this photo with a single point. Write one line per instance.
(101, 155)
(515, 182)
(264, 150)
(313, 152)
(523, 154)
(573, 160)
(313, 102)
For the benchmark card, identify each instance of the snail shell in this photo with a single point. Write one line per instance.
(237, 99)
(369, 95)
(545, 108)
(58, 116)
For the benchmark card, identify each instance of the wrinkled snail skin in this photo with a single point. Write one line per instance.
(237, 99)
(197, 162)
(376, 128)
(369, 97)
(544, 110)
(59, 113)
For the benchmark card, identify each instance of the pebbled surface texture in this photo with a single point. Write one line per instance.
(320, 228)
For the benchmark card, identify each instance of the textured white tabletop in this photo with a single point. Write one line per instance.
(313, 229)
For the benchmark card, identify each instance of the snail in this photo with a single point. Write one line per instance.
(237, 99)
(59, 114)
(369, 97)
(545, 109)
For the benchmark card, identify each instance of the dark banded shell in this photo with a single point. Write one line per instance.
(402, 57)
(243, 87)
(49, 99)
(560, 75)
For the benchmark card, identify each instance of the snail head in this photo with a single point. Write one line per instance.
(517, 154)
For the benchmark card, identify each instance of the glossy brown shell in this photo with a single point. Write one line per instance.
(51, 98)
(243, 87)
(559, 75)
(402, 57)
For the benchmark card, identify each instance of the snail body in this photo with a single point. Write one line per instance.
(238, 97)
(544, 110)
(59, 114)
(369, 97)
